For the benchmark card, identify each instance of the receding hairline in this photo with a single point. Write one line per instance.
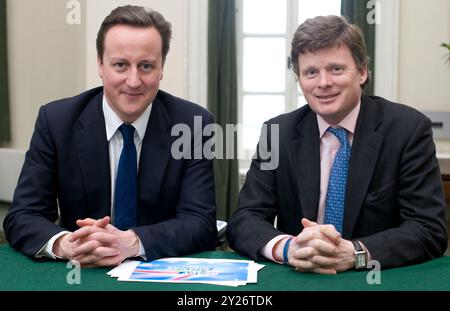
(148, 27)
(139, 17)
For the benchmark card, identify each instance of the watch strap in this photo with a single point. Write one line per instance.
(360, 255)
(357, 245)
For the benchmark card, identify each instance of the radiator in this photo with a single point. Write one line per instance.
(11, 161)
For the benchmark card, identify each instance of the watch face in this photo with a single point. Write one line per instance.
(360, 261)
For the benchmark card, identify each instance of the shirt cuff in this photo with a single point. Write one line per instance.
(47, 249)
(267, 249)
(141, 250)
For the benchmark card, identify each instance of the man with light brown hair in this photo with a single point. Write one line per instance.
(357, 179)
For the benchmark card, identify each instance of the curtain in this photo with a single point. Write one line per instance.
(5, 132)
(222, 97)
(356, 12)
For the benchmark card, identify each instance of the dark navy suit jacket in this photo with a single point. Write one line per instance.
(394, 200)
(67, 167)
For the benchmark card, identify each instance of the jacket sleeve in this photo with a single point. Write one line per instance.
(30, 221)
(421, 234)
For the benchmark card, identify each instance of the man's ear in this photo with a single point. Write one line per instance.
(363, 75)
(99, 67)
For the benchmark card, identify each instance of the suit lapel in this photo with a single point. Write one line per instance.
(155, 152)
(365, 149)
(306, 157)
(93, 154)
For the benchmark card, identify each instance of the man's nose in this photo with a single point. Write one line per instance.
(324, 80)
(134, 78)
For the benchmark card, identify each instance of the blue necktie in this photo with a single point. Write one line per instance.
(334, 206)
(125, 199)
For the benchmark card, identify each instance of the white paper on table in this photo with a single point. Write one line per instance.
(124, 271)
(253, 272)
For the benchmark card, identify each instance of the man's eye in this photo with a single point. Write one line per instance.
(146, 67)
(337, 69)
(119, 65)
(311, 72)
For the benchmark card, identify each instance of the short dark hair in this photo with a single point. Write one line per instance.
(327, 31)
(136, 16)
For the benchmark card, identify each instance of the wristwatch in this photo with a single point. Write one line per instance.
(360, 256)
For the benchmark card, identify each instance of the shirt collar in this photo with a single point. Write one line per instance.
(349, 122)
(113, 121)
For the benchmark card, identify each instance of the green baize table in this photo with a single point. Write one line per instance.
(18, 272)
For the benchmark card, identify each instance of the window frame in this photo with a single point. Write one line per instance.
(291, 91)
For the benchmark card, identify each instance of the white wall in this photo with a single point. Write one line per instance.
(424, 78)
(46, 60)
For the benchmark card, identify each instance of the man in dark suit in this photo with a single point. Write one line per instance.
(77, 161)
(357, 178)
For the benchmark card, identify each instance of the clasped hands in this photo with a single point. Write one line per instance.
(97, 243)
(320, 249)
